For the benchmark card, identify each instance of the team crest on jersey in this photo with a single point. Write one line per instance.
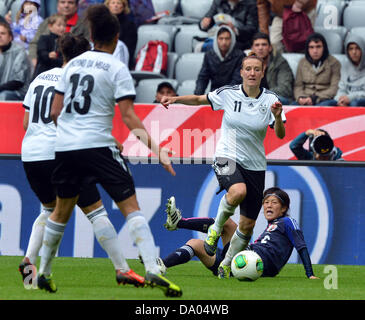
(263, 109)
(271, 227)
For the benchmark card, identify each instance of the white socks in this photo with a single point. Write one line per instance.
(107, 237)
(36, 236)
(141, 234)
(225, 210)
(238, 243)
(53, 234)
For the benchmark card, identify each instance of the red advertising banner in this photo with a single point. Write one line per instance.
(193, 131)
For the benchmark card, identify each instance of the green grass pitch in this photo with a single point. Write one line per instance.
(94, 279)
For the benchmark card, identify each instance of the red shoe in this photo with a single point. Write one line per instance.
(130, 277)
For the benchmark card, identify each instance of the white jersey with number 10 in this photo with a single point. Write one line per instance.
(39, 140)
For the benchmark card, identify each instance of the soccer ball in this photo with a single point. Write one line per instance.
(247, 266)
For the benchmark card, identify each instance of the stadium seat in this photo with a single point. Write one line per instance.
(341, 30)
(184, 38)
(146, 89)
(171, 63)
(188, 66)
(162, 5)
(329, 13)
(188, 87)
(146, 33)
(293, 60)
(342, 58)
(195, 8)
(353, 15)
(334, 39)
(360, 31)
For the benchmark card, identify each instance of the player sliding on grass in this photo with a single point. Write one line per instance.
(38, 157)
(274, 245)
(83, 110)
(240, 161)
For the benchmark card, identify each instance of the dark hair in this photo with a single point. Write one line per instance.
(104, 26)
(260, 35)
(53, 18)
(165, 84)
(282, 196)
(316, 37)
(7, 26)
(223, 29)
(72, 46)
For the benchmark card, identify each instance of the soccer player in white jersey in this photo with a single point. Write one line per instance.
(38, 156)
(240, 161)
(83, 110)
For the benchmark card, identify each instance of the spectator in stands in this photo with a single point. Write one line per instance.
(278, 76)
(239, 15)
(128, 29)
(265, 8)
(15, 69)
(318, 74)
(222, 63)
(75, 25)
(351, 91)
(164, 89)
(48, 54)
(26, 22)
(321, 146)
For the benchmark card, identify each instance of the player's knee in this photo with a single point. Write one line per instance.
(246, 226)
(229, 227)
(236, 194)
(197, 245)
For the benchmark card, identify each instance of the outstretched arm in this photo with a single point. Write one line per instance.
(136, 126)
(306, 260)
(192, 100)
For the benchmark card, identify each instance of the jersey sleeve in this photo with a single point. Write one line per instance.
(215, 99)
(294, 234)
(123, 85)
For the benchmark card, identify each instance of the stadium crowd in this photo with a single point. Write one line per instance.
(261, 26)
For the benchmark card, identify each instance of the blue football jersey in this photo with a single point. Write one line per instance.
(276, 244)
